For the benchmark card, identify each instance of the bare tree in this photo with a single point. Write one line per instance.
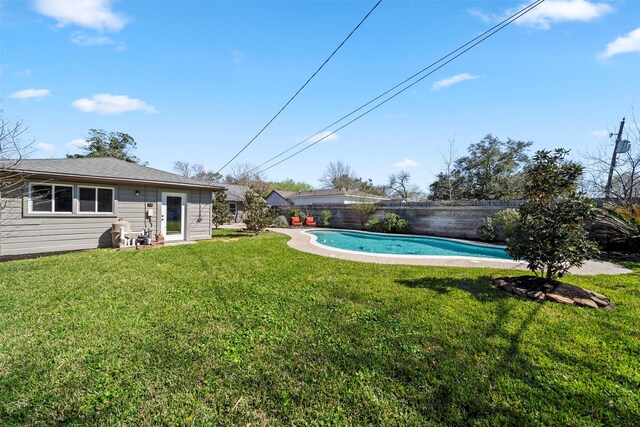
(625, 183)
(196, 171)
(12, 151)
(244, 174)
(399, 187)
(339, 175)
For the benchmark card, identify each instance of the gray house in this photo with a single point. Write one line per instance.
(235, 198)
(69, 204)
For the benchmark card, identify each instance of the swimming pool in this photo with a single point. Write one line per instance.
(394, 244)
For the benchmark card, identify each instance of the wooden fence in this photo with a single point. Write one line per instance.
(458, 220)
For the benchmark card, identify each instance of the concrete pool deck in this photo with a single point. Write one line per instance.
(302, 242)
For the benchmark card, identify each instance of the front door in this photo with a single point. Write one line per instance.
(173, 216)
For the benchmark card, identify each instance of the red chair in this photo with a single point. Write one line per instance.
(309, 222)
(295, 221)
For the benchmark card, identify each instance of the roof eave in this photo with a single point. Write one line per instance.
(90, 178)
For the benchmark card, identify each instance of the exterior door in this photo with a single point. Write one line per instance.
(173, 216)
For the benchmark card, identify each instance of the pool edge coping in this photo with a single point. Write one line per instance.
(300, 240)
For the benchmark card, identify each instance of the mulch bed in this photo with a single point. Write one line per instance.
(541, 289)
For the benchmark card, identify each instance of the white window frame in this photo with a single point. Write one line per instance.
(53, 198)
(95, 206)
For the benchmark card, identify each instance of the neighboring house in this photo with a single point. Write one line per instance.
(235, 198)
(70, 204)
(341, 196)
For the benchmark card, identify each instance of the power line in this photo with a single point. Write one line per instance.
(302, 87)
(462, 49)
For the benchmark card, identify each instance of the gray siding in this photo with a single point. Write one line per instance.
(199, 215)
(24, 233)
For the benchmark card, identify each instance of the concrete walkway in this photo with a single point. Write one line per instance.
(302, 242)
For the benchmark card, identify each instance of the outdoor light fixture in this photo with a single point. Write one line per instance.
(137, 193)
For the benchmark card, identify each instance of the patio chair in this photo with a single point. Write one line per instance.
(309, 221)
(295, 221)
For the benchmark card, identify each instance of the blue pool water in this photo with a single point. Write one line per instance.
(404, 245)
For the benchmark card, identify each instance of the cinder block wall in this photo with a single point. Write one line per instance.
(458, 220)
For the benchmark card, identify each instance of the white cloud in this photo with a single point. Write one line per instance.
(406, 163)
(551, 12)
(453, 80)
(327, 135)
(77, 143)
(84, 40)
(105, 103)
(630, 42)
(43, 146)
(30, 93)
(600, 133)
(94, 14)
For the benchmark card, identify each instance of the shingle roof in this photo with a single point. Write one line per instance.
(235, 193)
(105, 169)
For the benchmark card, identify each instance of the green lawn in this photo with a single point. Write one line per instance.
(251, 331)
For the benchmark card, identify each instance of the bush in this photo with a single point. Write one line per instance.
(258, 217)
(325, 218)
(363, 211)
(374, 225)
(281, 222)
(297, 212)
(487, 231)
(550, 233)
(391, 223)
(220, 213)
(622, 226)
(508, 220)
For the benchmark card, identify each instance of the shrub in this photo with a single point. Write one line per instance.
(363, 211)
(391, 223)
(257, 216)
(374, 225)
(622, 225)
(550, 233)
(220, 213)
(325, 218)
(297, 212)
(508, 220)
(281, 222)
(487, 231)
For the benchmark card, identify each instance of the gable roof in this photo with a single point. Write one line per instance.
(235, 193)
(105, 169)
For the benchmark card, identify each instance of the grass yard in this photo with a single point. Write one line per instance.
(251, 331)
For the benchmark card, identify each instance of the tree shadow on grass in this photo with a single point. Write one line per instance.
(480, 287)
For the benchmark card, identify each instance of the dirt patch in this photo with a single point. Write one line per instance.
(542, 289)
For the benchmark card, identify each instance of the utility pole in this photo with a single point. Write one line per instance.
(607, 189)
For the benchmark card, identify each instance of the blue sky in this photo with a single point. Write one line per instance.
(195, 80)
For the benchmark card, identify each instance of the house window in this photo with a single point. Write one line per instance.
(95, 200)
(51, 198)
(233, 208)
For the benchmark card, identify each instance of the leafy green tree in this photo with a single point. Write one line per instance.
(257, 215)
(363, 211)
(447, 186)
(289, 185)
(491, 169)
(220, 213)
(100, 143)
(549, 233)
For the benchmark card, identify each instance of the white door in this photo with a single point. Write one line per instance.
(173, 216)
